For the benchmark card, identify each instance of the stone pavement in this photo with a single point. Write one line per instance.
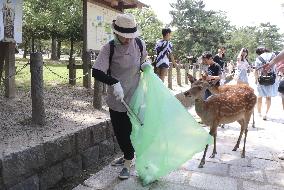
(260, 169)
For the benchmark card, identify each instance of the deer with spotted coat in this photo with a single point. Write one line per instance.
(221, 89)
(227, 106)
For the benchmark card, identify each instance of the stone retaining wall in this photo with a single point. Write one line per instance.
(43, 166)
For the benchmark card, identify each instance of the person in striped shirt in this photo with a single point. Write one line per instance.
(164, 49)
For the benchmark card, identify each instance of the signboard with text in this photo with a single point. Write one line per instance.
(11, 13)
(99, 19)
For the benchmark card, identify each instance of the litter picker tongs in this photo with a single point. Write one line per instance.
(129, 110)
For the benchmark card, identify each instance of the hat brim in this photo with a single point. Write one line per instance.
(125, 35)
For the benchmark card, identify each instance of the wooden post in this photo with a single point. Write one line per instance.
(170, 76)
(2, 58)
(72, 71)
(87, 70)
(86, 55)
(194, 70)
(10, 70)
(178, 75)
(186, 71)
(36, 69)
(98, 94)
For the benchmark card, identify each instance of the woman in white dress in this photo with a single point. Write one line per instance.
(242, 67)
(264, 91)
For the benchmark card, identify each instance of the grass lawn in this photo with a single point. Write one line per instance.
(23, 78)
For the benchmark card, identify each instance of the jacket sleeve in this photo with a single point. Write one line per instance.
(102, 77)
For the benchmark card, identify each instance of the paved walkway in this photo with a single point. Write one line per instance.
(260, 170)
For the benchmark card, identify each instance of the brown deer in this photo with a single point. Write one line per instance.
(214, 89)
(232, 104)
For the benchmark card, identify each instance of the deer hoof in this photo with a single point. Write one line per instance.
(235, 149)
(202, 162)
(243, 155)
(213, 155)
(200, 165)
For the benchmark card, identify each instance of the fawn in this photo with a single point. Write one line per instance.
(226, 106)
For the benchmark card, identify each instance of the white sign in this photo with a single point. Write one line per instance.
(99, 20)
(11, 13)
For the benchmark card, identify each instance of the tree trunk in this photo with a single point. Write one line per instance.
(33, 44)
(53, 48)
(25, 49)
(71, 48)
(58, 49)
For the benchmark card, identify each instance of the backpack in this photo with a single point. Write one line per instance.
(111, 52)
(268, 79)
(281, 87)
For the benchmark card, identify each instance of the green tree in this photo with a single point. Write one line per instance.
(150, 26)
(269, 36)
(197, 29)
(238, 38)
(251, 37)
(59, 20)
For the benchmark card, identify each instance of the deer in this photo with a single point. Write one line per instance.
(214, 89)
(230, 105)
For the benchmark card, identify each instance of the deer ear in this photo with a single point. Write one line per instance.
(199, 87)
(190, 78)
(204, 77)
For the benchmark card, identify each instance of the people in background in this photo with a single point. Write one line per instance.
(212, 72)
(220, 57)
(264, 91)
(164, 51)
(242, 67)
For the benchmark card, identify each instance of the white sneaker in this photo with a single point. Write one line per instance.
(281, 156)
(264, 117)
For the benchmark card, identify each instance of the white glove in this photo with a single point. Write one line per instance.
(118, 91)
(146, 64)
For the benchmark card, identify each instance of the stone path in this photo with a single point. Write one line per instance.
(260, 170)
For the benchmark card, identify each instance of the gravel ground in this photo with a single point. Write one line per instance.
(67, 109)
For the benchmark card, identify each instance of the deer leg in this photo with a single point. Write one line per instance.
(213, 132)
(244, 148)
(253, 123)
(241, 122)
(214, 149)
(202, 162)
(246, 132)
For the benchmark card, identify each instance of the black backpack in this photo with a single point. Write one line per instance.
(281, 87)
(269, 78)
(111, 52)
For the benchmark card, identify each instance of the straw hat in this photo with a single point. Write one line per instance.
(125, 26)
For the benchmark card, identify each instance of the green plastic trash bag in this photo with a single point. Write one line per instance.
(169, 135)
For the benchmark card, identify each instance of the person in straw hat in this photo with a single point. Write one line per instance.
(118, 65)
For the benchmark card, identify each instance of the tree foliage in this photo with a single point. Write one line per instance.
(60, 19)
(251, 37)
(197, 29)
(150, 26)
